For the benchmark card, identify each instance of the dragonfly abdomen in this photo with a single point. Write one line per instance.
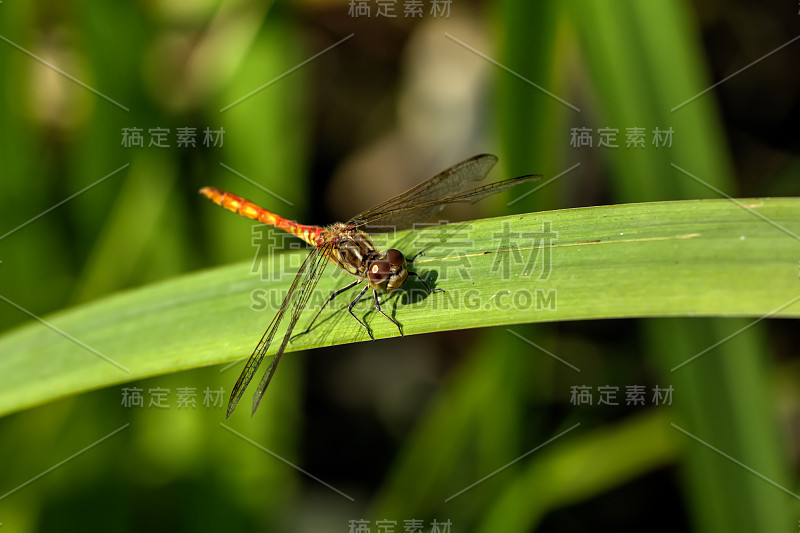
(248, 209)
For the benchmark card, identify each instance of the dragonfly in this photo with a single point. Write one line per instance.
(348, 245)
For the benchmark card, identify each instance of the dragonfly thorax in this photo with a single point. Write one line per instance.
(352, 250)
(348, 248)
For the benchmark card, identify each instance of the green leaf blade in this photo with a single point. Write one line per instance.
(690, 258)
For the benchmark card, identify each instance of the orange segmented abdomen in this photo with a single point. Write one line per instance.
(246, 208)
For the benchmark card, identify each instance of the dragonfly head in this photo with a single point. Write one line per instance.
(388, 271)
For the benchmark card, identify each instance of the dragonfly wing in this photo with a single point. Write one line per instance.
(313, 268)
(446, 183)
(403, 216)
(303, 284)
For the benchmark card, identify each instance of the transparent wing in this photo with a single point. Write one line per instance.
(299, 292)
(446, 183)
(405, 216)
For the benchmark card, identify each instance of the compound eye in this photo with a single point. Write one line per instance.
(379, 270)
(395, 257)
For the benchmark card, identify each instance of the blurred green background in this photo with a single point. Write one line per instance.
(398, 428)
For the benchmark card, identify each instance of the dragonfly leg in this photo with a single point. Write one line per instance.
(333, 295)
(425, 283)
(350, 308)
(415, 257)
(378, 307)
